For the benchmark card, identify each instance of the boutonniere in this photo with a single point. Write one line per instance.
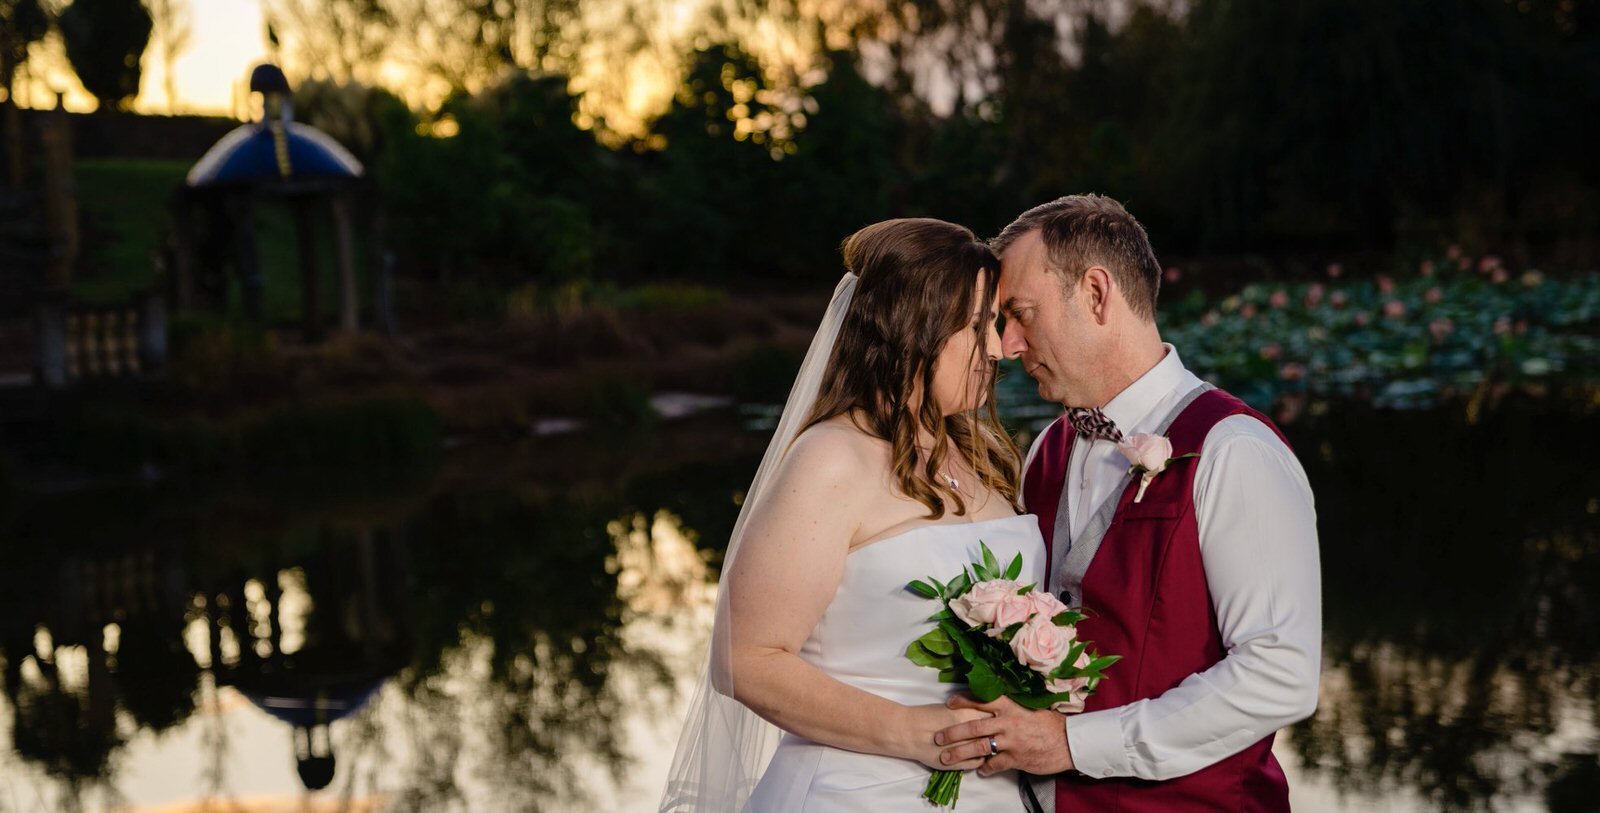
(1148, 455)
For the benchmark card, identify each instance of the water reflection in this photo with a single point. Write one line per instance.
(1460, 563)
(515, 630)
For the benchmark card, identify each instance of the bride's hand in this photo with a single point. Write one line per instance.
(925, 720)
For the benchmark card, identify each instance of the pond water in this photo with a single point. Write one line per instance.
(516, 626)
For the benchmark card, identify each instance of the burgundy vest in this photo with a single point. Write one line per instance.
(1148, 601)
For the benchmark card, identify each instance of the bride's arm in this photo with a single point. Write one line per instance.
(787, 570)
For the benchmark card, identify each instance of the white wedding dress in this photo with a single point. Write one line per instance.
(861, 640)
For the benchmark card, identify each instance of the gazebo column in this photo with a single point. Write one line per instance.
(242, 211)
(305, 236)
(182, 244)
(349, 305)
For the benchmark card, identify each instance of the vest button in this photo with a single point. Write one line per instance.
(1066, 597)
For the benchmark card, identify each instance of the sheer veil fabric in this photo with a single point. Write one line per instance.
(725, 747)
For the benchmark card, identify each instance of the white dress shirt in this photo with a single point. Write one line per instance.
(1258, 545)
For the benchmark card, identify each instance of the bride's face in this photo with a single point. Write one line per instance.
(964, 370)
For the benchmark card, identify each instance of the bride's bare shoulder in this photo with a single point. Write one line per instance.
(837, 446)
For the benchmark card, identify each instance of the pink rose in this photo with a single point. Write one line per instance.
(1041, 645)
(1013, 609)
(1394, 309)
(1502, 326)
(1499, 275)
(1433, 295)
(1148, 451)
(1314, 294)
(979, 604)
(1453, 252)
(1271, 352)
(1335, 270)
(1385, 284)
(1279, 299)
(1248, 310)
(1361, 319)
(1426, 268)
(1293, 371)
(1078, 687)
(1046, 604)
(1337, 299)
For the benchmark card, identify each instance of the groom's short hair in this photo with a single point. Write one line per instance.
(1080, 231)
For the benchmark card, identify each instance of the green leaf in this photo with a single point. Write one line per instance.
(1014, 569)
(1026, 589)
(1066, 669)
(922, 588)
(1101, 663)
(1067, 618)
(958, 586)
(989, 562)
(985, 684)
(950, 676)
(919, 655)
(960, 639)
(938, 642)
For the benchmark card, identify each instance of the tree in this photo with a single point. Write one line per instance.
(105, 42)
(22, 23)
(171, 23)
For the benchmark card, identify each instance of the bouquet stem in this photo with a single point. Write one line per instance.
(944, 788)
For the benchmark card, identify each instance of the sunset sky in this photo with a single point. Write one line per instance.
(228, 39)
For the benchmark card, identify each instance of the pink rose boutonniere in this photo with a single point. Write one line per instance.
(1148, 455)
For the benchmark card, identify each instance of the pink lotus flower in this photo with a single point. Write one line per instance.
(1385, 284)
(1434, 295)
(1041, 645)
(1426, 268)
(1271, 352)
(1394, 309)
(1338, 299)
(980, 603)
(1441, 328)
(1279, 299)
(1172, 275)
(1335, 270)
(1314, 294)
(1293, 371)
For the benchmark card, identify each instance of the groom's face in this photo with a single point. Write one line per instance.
(1045, 326)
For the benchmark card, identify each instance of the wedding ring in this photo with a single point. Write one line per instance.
(994, 747)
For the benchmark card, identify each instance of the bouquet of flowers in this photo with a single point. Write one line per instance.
(1004, 638)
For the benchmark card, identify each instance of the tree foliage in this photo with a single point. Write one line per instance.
(105, 42)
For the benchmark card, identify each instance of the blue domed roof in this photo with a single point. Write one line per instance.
(249, 154)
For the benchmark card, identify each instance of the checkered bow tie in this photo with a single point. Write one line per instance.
(1093, 424)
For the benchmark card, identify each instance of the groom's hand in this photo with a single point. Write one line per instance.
(1029, 740)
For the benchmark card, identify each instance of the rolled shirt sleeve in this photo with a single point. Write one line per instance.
(1258, 545)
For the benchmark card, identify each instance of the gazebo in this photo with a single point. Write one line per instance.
(274, 159)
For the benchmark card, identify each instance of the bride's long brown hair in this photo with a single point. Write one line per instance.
(915, 289)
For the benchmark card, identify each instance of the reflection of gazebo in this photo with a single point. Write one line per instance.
(310, 711)
(274, 158)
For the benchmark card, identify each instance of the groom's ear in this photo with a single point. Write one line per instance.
(1098, 291)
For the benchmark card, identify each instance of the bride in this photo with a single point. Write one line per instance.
(888, 465)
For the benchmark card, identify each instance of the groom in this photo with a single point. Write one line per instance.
(1207, 585)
